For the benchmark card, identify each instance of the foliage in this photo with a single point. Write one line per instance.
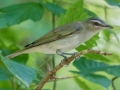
(14, 32)
(88, 67)
(16, 14)
(113, 2)
(57, 10)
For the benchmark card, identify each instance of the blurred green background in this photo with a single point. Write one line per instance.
(22, 23)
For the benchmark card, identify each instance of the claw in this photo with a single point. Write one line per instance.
(76, 58)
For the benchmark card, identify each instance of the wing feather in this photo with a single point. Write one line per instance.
(58, 33)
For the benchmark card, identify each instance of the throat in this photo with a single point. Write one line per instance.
(88, 34)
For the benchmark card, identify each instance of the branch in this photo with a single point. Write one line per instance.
(66, 62)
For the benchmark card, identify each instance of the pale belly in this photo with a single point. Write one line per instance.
(63, 44)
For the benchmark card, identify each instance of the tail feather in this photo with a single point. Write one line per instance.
(23, 51)
(15, 54)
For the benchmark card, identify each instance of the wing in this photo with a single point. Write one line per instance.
(58, 33)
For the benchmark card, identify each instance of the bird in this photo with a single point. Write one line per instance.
(65, 37)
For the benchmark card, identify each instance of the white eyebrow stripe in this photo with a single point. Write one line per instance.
(97, 22)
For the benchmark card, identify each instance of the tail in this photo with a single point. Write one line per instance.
(23, 51)
(15, 54)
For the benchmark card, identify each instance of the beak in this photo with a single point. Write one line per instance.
(108, 26)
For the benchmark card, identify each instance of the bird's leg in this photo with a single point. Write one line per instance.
(63, 54)
(58, 51)
(73, 55)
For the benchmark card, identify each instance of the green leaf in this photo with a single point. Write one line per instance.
(54, 8)
(3, 74)
(5, 89)
(118, 1)
(75, 13)
(90, 13)
(88, 67)
(39, 77)
(107, 34)
(97, 57)
(81, 84)
(98, 79)
(91, 66)
(23, 73)
(6, 50)
(113, 2)
(89, 44)
(16, 14)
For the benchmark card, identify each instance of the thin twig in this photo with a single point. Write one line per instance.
(48, 67)
(57, 79)
(46, 61)
(10, 78)
(12, 83)
(62, 78)
(19, 85)
(113, 83)
(66, 62)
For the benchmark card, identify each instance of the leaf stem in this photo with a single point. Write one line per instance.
(113, 83)
(53, 59)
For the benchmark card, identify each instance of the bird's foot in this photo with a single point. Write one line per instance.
(65, 58)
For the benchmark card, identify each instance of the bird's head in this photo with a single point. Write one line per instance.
(94, 24)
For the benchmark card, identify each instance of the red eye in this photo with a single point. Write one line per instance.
(97, 24)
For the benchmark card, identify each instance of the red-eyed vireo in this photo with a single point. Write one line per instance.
(65, 37)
